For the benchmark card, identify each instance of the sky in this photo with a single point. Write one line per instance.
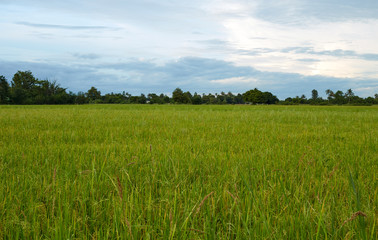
(287, 47)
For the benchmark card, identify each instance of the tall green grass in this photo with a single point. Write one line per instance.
(188, 172)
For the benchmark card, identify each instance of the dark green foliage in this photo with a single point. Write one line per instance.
(51, 93)
(197, 100)
(142, 99)
(115, 98)
(315, 99)
(314, 95)
(24, 86)
(255, 96)
(81, 98)
(349, 95)
(4, 90)
(333, 98)
(187, 97)
(134, 99)
(26, 89)
(153, 98)
(339, 98)
(93, 94)
(165, 98)
(180, 97)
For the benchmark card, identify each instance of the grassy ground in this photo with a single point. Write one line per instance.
(188, 172)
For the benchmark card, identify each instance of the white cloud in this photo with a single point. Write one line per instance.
(221, 8)
(345, 68)
(235, 80)
(249, 34)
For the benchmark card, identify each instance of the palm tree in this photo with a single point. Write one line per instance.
(330, 94)
(349, 94)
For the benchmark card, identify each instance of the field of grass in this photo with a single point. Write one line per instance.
(188, 172)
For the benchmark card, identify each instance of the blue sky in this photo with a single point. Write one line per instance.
(288, 47)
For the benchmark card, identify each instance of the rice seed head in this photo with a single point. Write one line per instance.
(203, 201)
(354, 216)
(232, 195)
(120, 189)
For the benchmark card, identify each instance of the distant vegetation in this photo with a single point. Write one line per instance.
(26, 89)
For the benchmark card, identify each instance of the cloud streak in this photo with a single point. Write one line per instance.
(88, 56)
(333, 53)
(66, 27)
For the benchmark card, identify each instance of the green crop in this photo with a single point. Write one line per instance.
(188, 172)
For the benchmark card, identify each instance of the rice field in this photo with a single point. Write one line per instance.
(188, 172)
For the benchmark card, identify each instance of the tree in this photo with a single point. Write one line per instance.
(269, 98)
(330, 94)
(369, 101)
(187, 97)
(230, 98)
(93, 94)
(349, 95)
(23, 87)
(178, 95)
(142, 99)
(339, 97)
(212, 99)
(314, 95)
(26, 89)
(239, 99)
(221, 98)
(303, 99)
(134, 99)
(81, 98)
(24, 80)
(255, 96)
(4, 90)
(50, 93)
(154, 98)
(114, 98)
(164, 98)
(196, 100)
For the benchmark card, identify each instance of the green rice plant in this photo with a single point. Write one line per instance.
(188, 172)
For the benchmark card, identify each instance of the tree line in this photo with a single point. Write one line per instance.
(26, 89)
(333, 98)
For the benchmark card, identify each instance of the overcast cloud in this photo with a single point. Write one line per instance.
(288, 47)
